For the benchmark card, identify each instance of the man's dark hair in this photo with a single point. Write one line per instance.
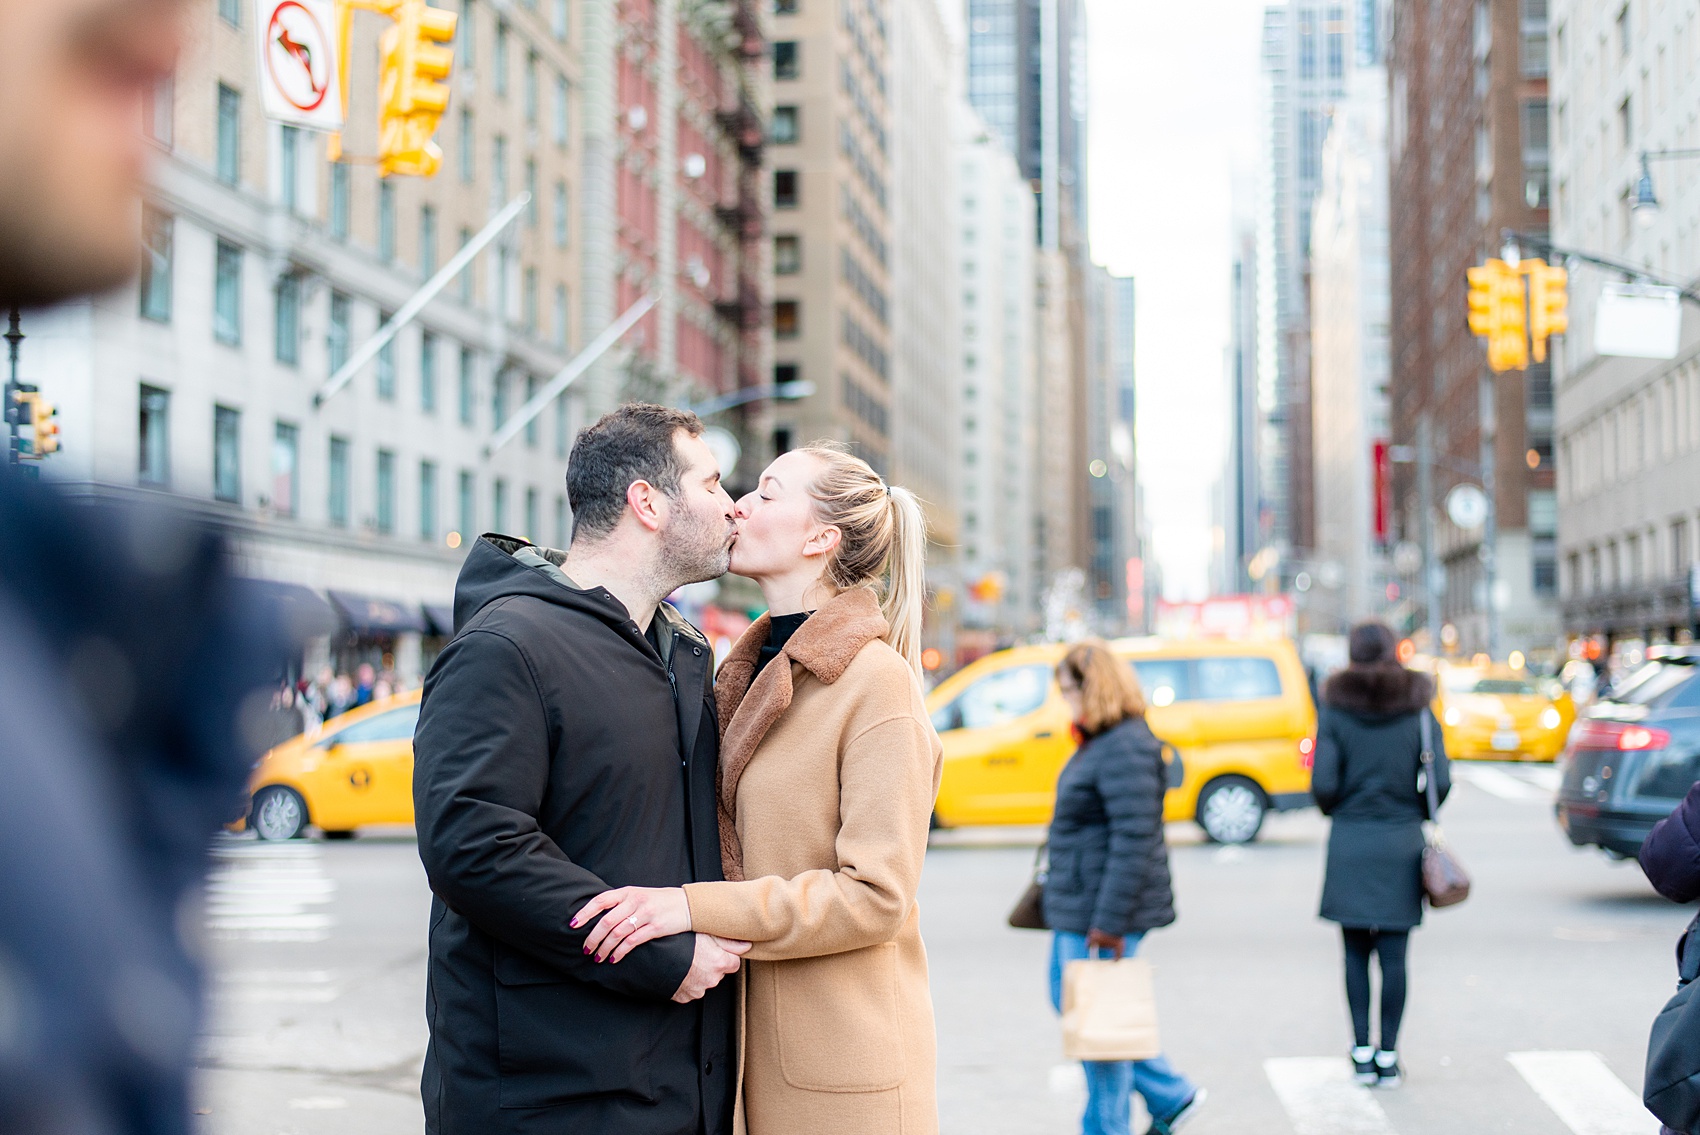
(634, 443)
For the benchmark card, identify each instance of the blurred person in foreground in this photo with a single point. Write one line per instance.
(1670, 858)
(1109, 877)
(1369, 780)
(130, 666)
(567, 743)
(830, 767)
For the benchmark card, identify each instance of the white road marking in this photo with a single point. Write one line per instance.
(1584, 1093)
(288, 987)
(319, 1103)
(1497, 782)
(1545, 777)
(1321, 1098)
(265, 891)
(1066, 1079)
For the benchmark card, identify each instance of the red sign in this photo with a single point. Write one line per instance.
(1379, 462)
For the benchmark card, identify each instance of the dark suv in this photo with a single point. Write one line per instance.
(1632, 758)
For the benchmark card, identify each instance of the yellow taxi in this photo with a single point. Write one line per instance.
(1238, 715)
(1495, 713)
(357, 770)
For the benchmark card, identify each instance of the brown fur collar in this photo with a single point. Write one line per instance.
(825, 645)
(1378, 689)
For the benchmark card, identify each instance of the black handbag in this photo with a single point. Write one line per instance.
(1671, 1089)
(1029, 912)
(1445, 882)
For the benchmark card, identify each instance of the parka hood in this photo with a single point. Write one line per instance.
(1378, 689)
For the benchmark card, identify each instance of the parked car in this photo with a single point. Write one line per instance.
(1239, 714)
(1633, 755)
(1496, 713)
(355, 771)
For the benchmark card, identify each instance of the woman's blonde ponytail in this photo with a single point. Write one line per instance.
(882, 540)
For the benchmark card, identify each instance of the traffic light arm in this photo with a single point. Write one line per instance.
(344, 38)
(1687, 291)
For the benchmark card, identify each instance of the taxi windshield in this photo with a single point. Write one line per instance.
(1470, 682)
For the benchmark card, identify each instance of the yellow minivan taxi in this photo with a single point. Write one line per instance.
(356, 771)
(1238, 714)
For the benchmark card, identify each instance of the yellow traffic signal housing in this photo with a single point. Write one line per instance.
(1496, 312)
(1549, 305)
(411, 89)
(46, 427)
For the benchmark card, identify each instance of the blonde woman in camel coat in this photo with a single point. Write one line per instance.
(828, 770)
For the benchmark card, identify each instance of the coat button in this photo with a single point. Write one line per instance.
(697, 650)
(708, 1068)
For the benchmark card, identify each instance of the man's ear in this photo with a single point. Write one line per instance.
(645, 502)
(824, 542)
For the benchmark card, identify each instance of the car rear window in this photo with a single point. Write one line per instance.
(1655, 683)
(1164, 681)
(396, 725)
(997, 698)
(1237, 679)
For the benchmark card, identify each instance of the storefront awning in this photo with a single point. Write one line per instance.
(441, 619)
(300, 611)
(363, 614)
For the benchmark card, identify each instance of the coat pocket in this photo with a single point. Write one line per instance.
(558, 1040)
(839, 1028)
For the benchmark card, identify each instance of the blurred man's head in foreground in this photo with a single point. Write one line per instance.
(75, 76)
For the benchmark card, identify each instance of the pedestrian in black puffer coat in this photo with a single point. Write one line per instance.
(1368, 759)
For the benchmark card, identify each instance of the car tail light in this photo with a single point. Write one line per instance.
(1307, 752)
(1619, 736)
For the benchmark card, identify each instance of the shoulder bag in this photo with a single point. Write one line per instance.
(1029, 912)
(1445, 881)
(1671, 1089)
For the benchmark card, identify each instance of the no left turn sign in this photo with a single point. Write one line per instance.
(298, 62)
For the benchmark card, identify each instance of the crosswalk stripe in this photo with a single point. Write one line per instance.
(1498, 782)
(1584, 1093)
(1321, 1098)
(264, 892)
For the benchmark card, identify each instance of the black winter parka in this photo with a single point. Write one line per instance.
(1109, 864)
(560, 752)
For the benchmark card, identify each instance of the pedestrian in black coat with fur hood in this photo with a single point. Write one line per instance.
(1368, 757)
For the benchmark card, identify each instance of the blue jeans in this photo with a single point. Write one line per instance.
(1110, 1084)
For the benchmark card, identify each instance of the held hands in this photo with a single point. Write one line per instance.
(635, 915)
(1104, 940)
(715, 959)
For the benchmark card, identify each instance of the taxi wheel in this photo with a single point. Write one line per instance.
(278, 813)
(1231, 810)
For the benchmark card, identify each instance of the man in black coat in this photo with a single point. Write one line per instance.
(567, 743)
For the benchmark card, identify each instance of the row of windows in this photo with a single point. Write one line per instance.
(283, 491)
(1633, 560)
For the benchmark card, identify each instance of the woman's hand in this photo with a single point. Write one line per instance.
(635, 915)
(1104, 940)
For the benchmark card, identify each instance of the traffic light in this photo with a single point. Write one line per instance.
(1496, 311)
(46, 427)
(1549, 311)
(411, 92)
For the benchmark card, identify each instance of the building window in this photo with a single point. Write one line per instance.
(561, 520)
(428, 373)
(386, 364)
(386, 220)
(386, 492)
(562, 215)
(468, 387)
(531, 94)
(786, 60)
(499, 400)
(561, 428)
(227, 454)
(289, 169)
(468, 147)
(229, 134)
(560, 317)
(1534, 53)
(531, 426)
(786, 373)
(286, 469)
(466, 28)
(230, 11)
(499, 60)
(287, 327)
(428, 240)
(785, 7)
(781, 441)
(787, 319)
(467, 505)
(468, 273)
(787, 255)
(227, 294)
(532, 531)
(562, 102)
(529, 305)
(339, 201)
(784, 128)
(337, 502)
(786, 187)
(499, 505)
(1680, 553)
(153, 466)
(428, 501)
(161, 111)
(337, 338)
(499, 175)
(156, 266)
(1625, 124)
(558, 19)
(1623, 44)
(532, 207)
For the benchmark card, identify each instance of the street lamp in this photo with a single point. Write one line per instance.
(780, 391)
(1646, 203)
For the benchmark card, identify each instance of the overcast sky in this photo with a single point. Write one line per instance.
(1173, 118)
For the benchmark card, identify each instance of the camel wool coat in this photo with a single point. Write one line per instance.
(829, 766)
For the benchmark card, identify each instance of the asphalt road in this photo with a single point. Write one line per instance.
(1529, 1006)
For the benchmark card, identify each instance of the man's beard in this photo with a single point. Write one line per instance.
(693, 550)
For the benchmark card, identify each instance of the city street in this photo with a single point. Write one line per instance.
(1529, 1009)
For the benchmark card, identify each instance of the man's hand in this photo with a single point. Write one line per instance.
(1104, 940)
(715, 959)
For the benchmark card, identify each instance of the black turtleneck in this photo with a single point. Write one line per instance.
(779, 632)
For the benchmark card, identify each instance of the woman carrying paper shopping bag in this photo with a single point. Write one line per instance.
(1109, 870)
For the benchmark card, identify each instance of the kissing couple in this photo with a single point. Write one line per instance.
(666, 901)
